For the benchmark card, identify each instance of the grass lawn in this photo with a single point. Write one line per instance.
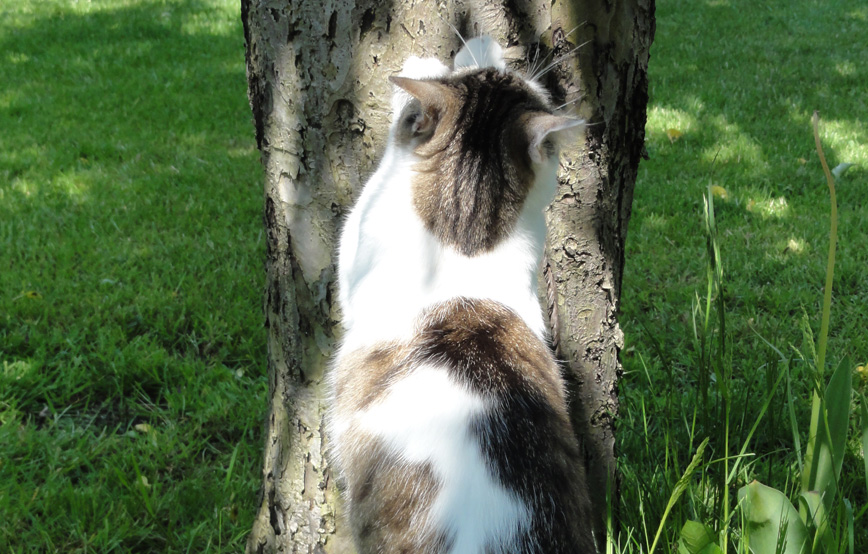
(133, 384)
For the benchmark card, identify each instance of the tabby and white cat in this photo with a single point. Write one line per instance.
(449, 426)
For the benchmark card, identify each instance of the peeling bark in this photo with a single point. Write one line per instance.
(318, 89)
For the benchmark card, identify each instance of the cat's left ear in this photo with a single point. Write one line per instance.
(432, 95)
(544, 126)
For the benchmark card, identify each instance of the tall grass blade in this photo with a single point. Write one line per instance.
(864, 424)
(833, 239)
(794, 426)
(678, 490)
(812, 461)
(732, 473)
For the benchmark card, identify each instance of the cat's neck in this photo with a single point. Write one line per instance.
(392, 269)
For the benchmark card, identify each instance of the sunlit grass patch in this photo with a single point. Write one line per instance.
(769, 207)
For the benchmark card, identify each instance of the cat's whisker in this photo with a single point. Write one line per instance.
(573, 30)
(458, 34)
(565, 104)
(552, 65)
(533, 64)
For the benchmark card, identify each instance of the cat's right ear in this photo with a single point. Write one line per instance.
(541, 128)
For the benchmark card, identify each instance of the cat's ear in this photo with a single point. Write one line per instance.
(540, 127)
(432, 95)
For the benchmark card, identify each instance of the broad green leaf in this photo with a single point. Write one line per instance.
(817, 520)
(696, 538)
(831, 438)
(772, 521)
(825, 454)
(839, 394)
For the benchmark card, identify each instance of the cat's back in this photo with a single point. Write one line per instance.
(458, 441)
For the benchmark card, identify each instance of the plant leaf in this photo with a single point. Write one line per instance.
(828, 437)
(719, 192)
(143, 428)
(772, 521)
(840, 169)
(831, 439)
(817, 519)
(839, 395)
(696, 538)
(851, 538)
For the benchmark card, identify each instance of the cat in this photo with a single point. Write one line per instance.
(448, 420)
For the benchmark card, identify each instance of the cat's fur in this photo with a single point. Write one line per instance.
(449, 425)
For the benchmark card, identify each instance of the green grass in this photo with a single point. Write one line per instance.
(132, 382)
(739, 81)
(131, 281)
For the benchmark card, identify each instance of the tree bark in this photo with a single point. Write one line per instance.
(587, 222)
(318, 88)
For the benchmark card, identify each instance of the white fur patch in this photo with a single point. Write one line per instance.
(425, 418)
(391, 268)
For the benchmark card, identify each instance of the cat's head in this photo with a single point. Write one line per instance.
(486, 139)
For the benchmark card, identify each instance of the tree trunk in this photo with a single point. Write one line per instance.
(587, 222)
(317, 76)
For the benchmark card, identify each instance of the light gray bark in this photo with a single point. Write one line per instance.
(318, 88)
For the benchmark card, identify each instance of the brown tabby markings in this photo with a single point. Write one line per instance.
(391, 499)
(526, 435)
(476, 171)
